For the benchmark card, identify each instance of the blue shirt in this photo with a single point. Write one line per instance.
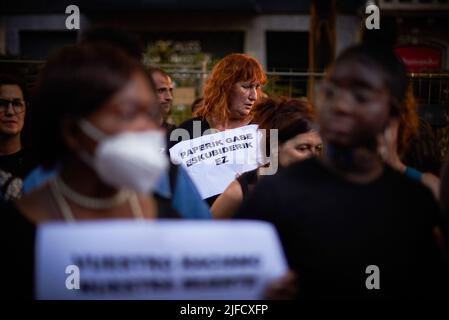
(185, 198)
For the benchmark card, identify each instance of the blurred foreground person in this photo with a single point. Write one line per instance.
(103, 139)
(395, 141)
(93, 121)
(298, 140)
(15, 160)
(174, 190)
(351, 226)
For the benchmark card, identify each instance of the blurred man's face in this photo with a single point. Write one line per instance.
(12, 110)
(164, 89)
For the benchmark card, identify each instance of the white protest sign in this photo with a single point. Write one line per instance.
(214, 160)
(126, 259)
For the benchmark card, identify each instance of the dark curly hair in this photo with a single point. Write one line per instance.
(408, 122)
(290, 117)
(74, 83)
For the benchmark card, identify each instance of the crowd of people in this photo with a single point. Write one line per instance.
(92, 141)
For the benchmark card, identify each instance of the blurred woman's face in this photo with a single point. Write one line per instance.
(300, 147)
(353, 105)
(133, 108)
(130, 109)
(242, 98)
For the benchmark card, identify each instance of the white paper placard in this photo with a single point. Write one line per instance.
(128, 259)
(214, 160)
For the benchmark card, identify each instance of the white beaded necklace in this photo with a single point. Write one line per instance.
(60, 189)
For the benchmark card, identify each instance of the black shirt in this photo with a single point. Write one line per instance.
(332, 230)
(13, 169)
(18, 237)
(444, 196)
(189, 125)
(247, 181)
(168, 126)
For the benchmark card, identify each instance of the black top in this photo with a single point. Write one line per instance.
(247, 181)
(189, 125)
(17, 265)
(13, 169)
(332, 229)
(168, 130)
(444, 195)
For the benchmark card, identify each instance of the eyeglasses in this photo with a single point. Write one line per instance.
(18, 105)
(129, 110)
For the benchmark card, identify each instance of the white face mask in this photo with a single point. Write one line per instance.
(130, 160)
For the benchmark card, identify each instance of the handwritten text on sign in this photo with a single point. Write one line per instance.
(158, 260)
(214, 160)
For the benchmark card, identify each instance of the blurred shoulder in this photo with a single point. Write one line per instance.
(309, 168)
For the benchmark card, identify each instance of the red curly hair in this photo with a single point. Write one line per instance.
(218, 87)
(408, 121)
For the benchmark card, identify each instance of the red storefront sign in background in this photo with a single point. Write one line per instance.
(419, 58)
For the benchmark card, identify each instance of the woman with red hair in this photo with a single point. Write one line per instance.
(229, 95)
